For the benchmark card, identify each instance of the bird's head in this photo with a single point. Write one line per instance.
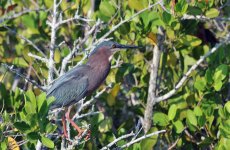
(110, 47)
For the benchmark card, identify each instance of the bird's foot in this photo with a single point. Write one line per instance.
(84, 133)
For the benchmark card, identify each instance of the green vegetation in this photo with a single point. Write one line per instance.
(196, 116)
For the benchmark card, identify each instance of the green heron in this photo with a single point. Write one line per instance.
(82, 80)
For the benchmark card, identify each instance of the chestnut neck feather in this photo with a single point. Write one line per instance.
(100, 67)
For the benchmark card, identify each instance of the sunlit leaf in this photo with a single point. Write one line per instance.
(105, 125)
(149, 143)
(172, 112)
(47, 142)
(191, 117)
(178, 125)
(212, 13)
(190, 40)
(20, 62)
(200, 83)
(160, 119)
(198, 111)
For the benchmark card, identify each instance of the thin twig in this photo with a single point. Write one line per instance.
(76, 17)
(52, 43)
(142, 138)
(76, 47)
(127, 20)
(153, 80)
(18, 14)
(45, 60)
(186, 76)
(89, 102)
(27, 40)
(91, 113)
(116, 140)
(23, 76)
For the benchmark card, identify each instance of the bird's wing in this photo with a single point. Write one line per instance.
(69, 88)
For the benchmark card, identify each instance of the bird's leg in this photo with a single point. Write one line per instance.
(64, 127)
(79, 130)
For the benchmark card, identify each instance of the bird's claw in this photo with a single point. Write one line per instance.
(84, 133)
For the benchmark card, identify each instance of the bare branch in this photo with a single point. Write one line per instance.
(45, 60)
(27, 40)
(127, 20)
(89, 102)
(76, 17)
(116, 140)
(186, 76)
(76, 48)
(87, 114)
(142, 138)
(153, 81)
(24, 77)
(197, 17)
(52, 43)
(18, 14)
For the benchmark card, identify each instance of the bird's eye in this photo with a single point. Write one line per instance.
(114, 46)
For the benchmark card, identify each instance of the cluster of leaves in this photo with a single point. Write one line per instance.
(197, 116)
(25, 116)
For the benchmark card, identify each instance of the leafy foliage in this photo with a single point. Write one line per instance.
(196, 116)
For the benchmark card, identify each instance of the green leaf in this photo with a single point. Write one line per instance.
(190, 40)
(160, 119)
(22, 126)
(31, 97)
(111, 99)
(194, 10)
(191, 117)
(149, 143)
(50, 128)
(198, 111)
(221, 72)
(47, 142)
(138, 4)
(33, 136)
(208, 76)
(200, 83)
(212, 13)
(201, 120)
(227, 107)
(106, 8)
(179, 127)
(172, 112)
(40, 100)
(218, 85)
(20, 62)
(28, 21)
(181, 6)
(3, 145)
(166, 17)
(30, 103)
(105, 125)
(222, 113)
(50, 100)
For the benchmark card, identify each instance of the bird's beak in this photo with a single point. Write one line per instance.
(126, 46)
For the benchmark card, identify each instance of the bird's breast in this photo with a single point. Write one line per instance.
(97, 76)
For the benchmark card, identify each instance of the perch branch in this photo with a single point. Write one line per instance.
(116, 140)
(27, 40)
(142, 138)
(186, 76)
(153, 81)
(52, 43)
(24, 77)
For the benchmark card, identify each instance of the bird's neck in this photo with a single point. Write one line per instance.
(100, 67)
(99, 60)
